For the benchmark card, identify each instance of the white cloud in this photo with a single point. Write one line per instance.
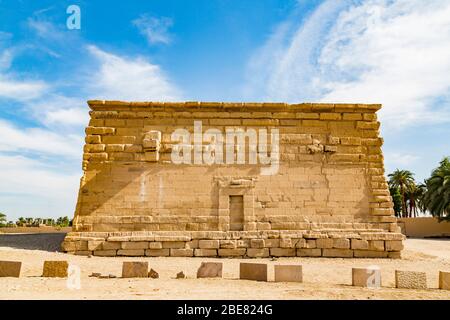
(38, 140)
(380, 51)
(21, 90)
(30, 188)
(154, 29)
(121, 78)
(394, 159)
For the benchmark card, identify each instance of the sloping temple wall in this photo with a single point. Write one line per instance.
(233, 179)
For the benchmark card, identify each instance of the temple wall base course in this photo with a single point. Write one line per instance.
(243, 244)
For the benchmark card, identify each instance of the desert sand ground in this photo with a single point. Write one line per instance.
(324, 278)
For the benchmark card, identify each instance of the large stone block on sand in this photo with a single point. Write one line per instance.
(253, 271)
(55, 269)
(10, 268)
(410, 280)
(288, 273)
(444, 280)
(366, 277)
(135, 269)
(210, 270)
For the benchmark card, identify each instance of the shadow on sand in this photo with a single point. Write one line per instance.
(33, 241)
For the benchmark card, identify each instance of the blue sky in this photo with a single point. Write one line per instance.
(394, 52)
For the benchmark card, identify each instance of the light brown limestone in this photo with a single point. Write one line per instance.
(444, 280)
(329, 187)
(55, 269)
(10, 268)
(253, 271)
(410, 280)
(366, 277)
(210, 270)
(288, 273)
(134, 269)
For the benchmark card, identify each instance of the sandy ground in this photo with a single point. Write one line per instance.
(324, 278)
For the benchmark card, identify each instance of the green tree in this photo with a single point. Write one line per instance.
(402, 179)
(414, 196)
(63, 221)
(397, 199)
(437, 196)
(21, 221)
(2, 219)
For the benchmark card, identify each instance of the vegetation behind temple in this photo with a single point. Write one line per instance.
(35, 222)
(433, 195)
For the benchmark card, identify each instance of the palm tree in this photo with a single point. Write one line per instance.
(402, 179)
(437, 197)
(414, 197)
(21, 221)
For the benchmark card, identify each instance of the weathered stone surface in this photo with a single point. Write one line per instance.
(337, 253)
(288, 273)
(330, 170)
(55, 269)
(258, 253)
(206, 252)
(210, 270)
(239, 252)
(134, 269)
(181, 252)
(153, 274)
(444, 280)
(253, 271)
(309, 252)
(181, 275)
(10, 268)
(366, 277)
(410, 280)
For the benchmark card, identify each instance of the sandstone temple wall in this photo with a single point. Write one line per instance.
(325, 194)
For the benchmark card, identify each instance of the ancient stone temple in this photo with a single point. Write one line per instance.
(233, 179)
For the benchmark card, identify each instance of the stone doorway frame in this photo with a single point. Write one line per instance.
(236, 186)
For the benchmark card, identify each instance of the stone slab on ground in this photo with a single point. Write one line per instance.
(210, 270)
(134, 269)
(288, 273)
(55, 269)
(10, 268)
(410, 279)
(444, 280)
(366, 277)
(253, 271)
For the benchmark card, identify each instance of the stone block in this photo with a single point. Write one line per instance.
(286, 243)
(376, 245)
(134, 245)
(10, 269)
(174, 245)
(111, 245)
(272, 243)
(283, 252)
(257, 243)
(105, 253)
(153, 274)
(288, 273)
(366, 277)
(134, 269)
(410, 280)
(444, 280)
(131, 253)
(208, 244)
(210, 270)
(181, 252)
(324, 243)
(309, 252)
(341, 243)
(258, 253)
(228, 244)
(206, 252)
(337, 253)
(238, 252)
(357, 244)
(157, 252)
(155, 245)
(55, 269)
(369, 254)
(253, 271)
(394, 245)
